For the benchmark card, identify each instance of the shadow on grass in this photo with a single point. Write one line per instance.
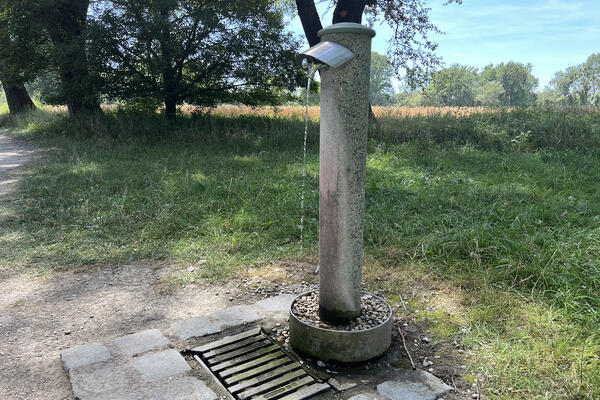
(117, 189)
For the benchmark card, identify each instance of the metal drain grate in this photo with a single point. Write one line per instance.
(250, 366)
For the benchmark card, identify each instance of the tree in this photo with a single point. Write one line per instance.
(517, 82)
(17, 98)
(580, 84)
(452, 86)
(489, 94)
(550, 97)
(65, 22)
(410, 47)
(50, 35)
(381, 90)
(201, 53)
(17, 62)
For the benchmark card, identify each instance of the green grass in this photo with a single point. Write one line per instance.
(504, 208)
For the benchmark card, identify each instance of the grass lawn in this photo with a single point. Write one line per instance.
(497, 214)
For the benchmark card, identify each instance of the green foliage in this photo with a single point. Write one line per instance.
(314, 97)
(47, 88)
(199, 53)
(510, 84)
(550, 98)
(408, 99)
(489, 94)
(23, 51)
(410, 47)
(65, 23)
(517, 82)
(452, 86)
(579, 85)
(39, 39)
(382, 72)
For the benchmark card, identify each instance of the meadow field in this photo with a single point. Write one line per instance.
(490, 218)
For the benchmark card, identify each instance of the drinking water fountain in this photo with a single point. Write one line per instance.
(343, 58)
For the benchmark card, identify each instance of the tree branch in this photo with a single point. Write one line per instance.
(311, 23)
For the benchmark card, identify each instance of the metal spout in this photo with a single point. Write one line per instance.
(325, 54)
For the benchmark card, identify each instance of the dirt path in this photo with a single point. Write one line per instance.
(13, 154)
(39, 318)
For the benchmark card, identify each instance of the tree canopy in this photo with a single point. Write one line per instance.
(168, 51)
(505, 84)
(202, 53)
(382, 72)
(454, 86)
(516, 79)
(580, 84)
(410, 47)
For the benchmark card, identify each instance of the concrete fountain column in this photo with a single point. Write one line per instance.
(344, 58)
(343, 151)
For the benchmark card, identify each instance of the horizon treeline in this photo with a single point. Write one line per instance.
(509, 84)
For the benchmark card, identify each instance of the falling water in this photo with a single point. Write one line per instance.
(311, 71)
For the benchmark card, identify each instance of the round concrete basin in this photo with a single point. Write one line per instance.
(340, 345)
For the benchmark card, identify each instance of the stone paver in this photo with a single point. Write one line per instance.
(155, 366)
(275, 305)
(413, 385)
(340, 383)
(236, 316)
(141, 369)
(366, 396)
(185, 388)
(141, 342)
(195, 327)
(91, 380)
(129, 393)
(86, 354)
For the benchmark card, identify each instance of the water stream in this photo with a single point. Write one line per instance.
(311, 71)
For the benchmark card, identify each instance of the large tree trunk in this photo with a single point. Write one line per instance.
(66, 27)
(17, 98)
(348, 11)
(170, 109)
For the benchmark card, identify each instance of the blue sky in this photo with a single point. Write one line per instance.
(550, 34)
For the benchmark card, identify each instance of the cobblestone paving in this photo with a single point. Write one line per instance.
(146, 364)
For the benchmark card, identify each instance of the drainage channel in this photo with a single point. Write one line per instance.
(250, 366)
